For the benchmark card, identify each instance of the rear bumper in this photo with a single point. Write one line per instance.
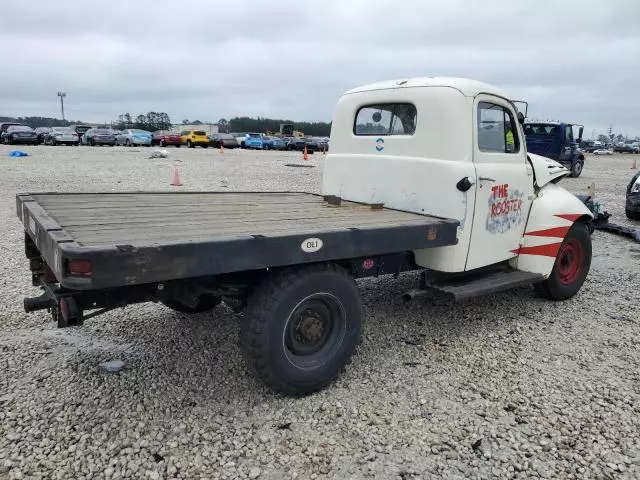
(24, 140)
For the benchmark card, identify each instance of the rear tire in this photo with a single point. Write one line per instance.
(302, 327)
(571, 266)
(631, 215)
(205, 303)
(189, 144)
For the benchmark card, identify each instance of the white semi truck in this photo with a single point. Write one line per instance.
(424, 174)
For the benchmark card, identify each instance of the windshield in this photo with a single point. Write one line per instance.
(540, 129)
(21, 128)
(254, 135)
(138, 131)
(101, 131)
(62, 130)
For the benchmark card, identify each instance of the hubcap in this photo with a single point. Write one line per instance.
(315, 329)
(569, 261)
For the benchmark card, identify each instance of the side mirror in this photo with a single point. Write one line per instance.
(580, 133)
(520, 118)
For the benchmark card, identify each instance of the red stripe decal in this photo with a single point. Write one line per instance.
(548, 250)
(558, 232)
(572, 217)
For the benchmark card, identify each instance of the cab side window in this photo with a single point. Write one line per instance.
(497, 129)
(386, 119)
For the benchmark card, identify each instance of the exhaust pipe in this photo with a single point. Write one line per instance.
(32, 304)
(415, 293)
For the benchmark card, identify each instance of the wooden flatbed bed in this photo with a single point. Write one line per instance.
(145, 237)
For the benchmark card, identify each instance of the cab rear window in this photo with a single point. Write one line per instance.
(386, 119)
(199, 132)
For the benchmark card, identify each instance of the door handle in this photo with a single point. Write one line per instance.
(487, 179)
(464, 184)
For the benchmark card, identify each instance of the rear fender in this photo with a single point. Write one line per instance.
(553, 211)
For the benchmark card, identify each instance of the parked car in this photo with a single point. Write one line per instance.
(133, 136)
(632, 207)
(62, 135)
(99, 136)
(165, 137)
(226, 139)
(295, 143)
(323, 143)
(602, 151)
(252, 141)
(42, 132)
(194, 138)
(4, 126)
(80, 130)
(20, 134)
(273, 143)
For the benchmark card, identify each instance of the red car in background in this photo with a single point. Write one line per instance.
(165, 137)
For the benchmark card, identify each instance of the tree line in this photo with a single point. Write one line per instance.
(153, 121)
(263, 125)
(35, 122)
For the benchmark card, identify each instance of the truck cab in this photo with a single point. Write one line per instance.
(453, 148)
(558, 141)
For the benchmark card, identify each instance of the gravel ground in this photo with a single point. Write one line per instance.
(506, 386)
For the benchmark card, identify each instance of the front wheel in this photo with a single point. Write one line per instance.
(189, 144)
(631, 215)
(302, 327)
(204, 304)
(571, 267)
(576, 169)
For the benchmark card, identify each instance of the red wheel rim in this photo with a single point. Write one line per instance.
(569, 261)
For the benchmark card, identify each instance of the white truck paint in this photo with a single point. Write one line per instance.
(512, 211)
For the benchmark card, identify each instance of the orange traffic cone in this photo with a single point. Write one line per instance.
(175, 178)
(221, 148)
(305, 155)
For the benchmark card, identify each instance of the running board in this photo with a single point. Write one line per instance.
(461, 288)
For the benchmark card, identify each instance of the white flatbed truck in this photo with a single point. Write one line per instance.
(425, 174)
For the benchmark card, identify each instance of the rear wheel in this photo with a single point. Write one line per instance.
(205, 146)
(302, 327)
(128, 143)
(189, 144)
(205, 303)
(177, 145)
(161, 143)
(571, 266)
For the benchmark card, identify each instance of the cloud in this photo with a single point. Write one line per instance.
(208, 60)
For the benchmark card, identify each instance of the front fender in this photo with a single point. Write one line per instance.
(553, 211)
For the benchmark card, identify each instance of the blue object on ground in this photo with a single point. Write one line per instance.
(18, 153)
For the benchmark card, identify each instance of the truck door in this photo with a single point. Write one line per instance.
(504, 183)
(566, 141)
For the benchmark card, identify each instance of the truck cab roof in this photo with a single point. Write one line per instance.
(468, 87)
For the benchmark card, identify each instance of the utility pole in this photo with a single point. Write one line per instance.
(62, 95)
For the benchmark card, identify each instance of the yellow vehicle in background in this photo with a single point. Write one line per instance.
(194, 138)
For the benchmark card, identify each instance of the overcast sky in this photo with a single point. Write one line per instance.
(571, 60)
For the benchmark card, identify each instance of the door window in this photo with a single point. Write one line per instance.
(497, 131)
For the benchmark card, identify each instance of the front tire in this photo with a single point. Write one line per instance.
(189, 144)
(631, 215)
(205, 303)
(576, 169)
(302, 327)
(571, 266)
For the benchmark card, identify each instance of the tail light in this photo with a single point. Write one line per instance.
(80, 268)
